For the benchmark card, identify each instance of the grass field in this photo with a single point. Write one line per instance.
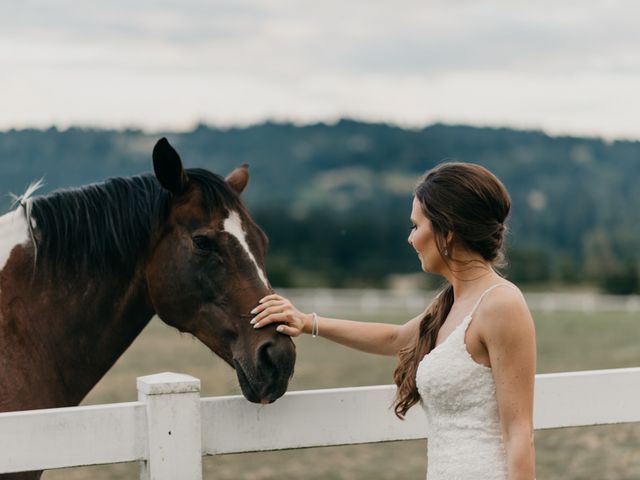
(566, 342)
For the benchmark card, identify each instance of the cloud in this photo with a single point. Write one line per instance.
(566, 66)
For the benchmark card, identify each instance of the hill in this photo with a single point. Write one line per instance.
(335, 199)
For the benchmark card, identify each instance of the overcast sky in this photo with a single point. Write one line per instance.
(565, 67)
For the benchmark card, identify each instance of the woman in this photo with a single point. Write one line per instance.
(470, 357)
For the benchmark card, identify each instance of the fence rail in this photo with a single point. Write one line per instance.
(393, 302)
(170, 428)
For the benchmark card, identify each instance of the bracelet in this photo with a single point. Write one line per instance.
(315, 331)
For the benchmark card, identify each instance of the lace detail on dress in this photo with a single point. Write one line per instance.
(459, 398)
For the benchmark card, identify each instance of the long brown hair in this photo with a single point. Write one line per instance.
(473, 204)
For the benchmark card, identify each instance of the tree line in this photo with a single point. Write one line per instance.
(335, 198)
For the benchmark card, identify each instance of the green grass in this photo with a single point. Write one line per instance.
(566, 342)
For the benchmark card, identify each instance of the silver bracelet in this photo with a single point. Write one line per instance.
(315, 331)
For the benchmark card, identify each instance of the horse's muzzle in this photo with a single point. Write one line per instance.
(268, 377)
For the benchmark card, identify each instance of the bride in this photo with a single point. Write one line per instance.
(470, 357)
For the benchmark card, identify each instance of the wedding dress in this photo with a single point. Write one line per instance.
(459, 398)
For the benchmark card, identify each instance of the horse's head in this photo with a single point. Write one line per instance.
(206, 273)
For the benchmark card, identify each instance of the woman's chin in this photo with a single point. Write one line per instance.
(423, 266)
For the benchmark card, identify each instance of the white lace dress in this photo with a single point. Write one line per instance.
(459, 399)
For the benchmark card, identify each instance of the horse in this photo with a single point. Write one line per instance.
(83, 271)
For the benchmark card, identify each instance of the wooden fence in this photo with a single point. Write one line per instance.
(409, 302)
(170, 427)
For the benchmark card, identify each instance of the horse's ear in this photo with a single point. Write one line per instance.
(239, 178)
(168, 167)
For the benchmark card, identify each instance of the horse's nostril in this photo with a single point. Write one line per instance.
(275, 359)
(265, 360)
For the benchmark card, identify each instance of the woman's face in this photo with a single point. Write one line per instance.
(422, 239)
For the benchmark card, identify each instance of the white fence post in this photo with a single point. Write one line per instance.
(173, 427)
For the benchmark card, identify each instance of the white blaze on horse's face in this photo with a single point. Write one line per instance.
(13, 231)
(233, 226)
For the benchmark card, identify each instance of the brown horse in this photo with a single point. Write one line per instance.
(83, 271)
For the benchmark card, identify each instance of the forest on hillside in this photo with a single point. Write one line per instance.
(335, 198)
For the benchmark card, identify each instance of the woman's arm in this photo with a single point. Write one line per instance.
(509, 335)
(378, 338)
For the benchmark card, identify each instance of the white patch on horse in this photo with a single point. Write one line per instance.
(233, 226)
(13, 231)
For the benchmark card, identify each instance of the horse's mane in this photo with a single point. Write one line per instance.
(107, 226)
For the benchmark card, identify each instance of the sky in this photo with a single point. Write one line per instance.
(570, 67)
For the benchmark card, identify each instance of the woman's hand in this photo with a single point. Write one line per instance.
(277, 309)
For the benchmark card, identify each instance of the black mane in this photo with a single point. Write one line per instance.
(107, 226)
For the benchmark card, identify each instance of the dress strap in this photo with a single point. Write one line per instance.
(487, 291)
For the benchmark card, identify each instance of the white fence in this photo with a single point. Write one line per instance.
(379, 301)
(170, 427)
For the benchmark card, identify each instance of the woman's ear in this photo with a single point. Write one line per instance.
(449, 239)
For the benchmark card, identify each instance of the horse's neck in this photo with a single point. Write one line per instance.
(61, 337)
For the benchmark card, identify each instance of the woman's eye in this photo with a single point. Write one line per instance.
(203, 242)
(413, 227)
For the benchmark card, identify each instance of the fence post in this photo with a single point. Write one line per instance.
(174, 432)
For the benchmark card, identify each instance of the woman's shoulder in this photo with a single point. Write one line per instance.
(503, 308)
(504, 294)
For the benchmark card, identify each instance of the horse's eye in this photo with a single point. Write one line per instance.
(202, 242)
